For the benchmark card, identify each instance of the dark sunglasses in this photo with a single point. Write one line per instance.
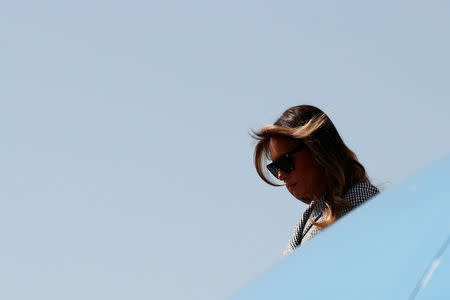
(284, 163)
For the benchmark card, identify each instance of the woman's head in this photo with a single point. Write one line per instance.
(294, 164)
(324, 164)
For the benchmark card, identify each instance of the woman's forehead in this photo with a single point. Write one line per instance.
(279, 145)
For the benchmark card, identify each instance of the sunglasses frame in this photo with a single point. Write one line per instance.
(288, 165)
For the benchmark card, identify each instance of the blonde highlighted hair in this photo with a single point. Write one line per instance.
(311, 126)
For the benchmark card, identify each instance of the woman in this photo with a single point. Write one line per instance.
(316, 166)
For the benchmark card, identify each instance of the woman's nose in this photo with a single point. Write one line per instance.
(282, 175)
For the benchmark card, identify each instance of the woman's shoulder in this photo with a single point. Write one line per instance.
(361, 192)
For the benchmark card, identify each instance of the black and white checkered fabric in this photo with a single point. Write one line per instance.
(305, 230)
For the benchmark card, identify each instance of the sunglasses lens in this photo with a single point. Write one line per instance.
(273, 169)
(284, 164)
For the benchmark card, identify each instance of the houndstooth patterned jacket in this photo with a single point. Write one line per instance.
(305, 230)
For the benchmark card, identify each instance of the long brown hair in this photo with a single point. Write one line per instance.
(310, 125)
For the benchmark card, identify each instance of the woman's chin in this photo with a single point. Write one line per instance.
(302, 197)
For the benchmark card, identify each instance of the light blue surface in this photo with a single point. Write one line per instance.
(435, 284)
(380, 250)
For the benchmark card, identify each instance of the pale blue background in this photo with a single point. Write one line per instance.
(126, 164)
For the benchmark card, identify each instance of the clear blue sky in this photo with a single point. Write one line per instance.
(126, 164)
